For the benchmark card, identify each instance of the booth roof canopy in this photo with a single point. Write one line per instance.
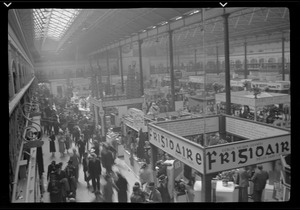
(250, 94)
(247, 98)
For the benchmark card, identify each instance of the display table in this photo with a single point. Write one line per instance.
(226, 193)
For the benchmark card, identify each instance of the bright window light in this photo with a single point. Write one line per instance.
(53, 23)
(178, 18)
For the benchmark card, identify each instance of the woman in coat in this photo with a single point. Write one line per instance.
(61, 143)
(52, 143)
(122, 184)
(68, 142)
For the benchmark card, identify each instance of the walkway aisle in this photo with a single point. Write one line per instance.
(84, 194)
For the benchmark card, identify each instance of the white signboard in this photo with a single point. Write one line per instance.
(182, 149)
(221, 97)
(194, 126)
(123, 102)
(237, 155)
(251, 130)
(137, 117)
(196, 79)
(276, 99)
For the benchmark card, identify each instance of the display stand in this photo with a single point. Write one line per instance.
(260, 144)
(229, 193)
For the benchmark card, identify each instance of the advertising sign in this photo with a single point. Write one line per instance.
(136, 119)
(182, 149)
(193, 126)
(251, 130)
(237, 155)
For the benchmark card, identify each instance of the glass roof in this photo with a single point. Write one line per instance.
(53, 23)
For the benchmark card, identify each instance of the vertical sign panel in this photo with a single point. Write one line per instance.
(182, 149)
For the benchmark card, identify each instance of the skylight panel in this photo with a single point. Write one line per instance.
(53, 22)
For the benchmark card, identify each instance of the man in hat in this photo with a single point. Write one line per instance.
(259, 179)
(51, 168)
(154, 196)
(163, 188)
(70, 174)
(136, 196)
(94, 169)
(75, 161)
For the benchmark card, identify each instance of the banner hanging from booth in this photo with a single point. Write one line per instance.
(180, 148)
(237, 155)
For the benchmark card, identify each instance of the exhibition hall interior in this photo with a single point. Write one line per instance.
(149, 104)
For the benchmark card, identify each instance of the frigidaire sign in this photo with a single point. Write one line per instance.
(182, 149)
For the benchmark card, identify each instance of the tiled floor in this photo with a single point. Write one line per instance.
(84, 194)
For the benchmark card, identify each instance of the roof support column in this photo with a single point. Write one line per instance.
(99, 81)
(195, 60)
(245, 61)
(217, 52)
(283, 64)
(93, 81)
(108, 74)
(172, 69)
(121, 67)
(227, 66)
(141, 66)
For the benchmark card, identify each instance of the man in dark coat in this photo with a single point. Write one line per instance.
(122, 185)
(70, 174)
(163, 189)
(81, 147)
(107, 158)
(51, 168)
(259, 179)
(94, 168)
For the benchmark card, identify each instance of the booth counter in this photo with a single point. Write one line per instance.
(227, 193)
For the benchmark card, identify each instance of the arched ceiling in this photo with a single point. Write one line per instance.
(93, 29)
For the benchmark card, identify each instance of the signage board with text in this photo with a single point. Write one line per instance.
(193, 126)
(182, 149)
(251, 130)
(237, 155)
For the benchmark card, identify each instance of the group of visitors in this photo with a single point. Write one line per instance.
(259, 178)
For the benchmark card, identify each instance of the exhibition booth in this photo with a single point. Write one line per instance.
(247, 98)
(259, 144)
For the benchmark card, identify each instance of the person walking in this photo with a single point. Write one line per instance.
(136, 196)
(75, 162)
(64, 183)
(108, 189)
(52, 143)
(163, 189)
(154, 196)
(145, 175)
(259, 180)
(68, 142)
(70, 174)
(61, 143)
(107, 158)
(122, 184)
(81, 147)
(94, 169)
(242, 180)
(54, 189)
(85, 167)
(51, 168)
